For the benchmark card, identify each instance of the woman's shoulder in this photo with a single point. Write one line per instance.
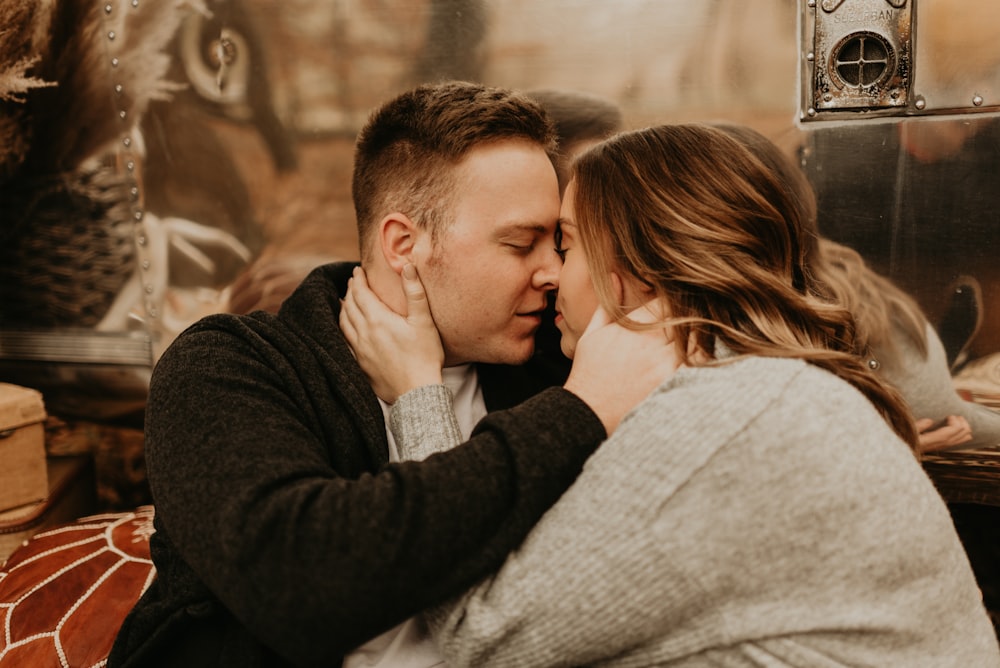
(752, 388)
(738, 375)
(721, 398)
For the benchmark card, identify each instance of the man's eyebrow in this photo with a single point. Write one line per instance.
(514, 228)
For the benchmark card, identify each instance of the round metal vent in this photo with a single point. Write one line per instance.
(862, 59)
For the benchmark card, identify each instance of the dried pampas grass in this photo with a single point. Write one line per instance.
(23, 42)
(58, 77)
(23, 26)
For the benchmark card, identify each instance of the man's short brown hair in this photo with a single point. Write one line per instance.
(404, 155)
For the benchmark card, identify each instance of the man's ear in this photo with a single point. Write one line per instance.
(397, 237)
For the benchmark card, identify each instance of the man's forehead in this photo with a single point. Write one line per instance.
(506, 187)
(486, 158)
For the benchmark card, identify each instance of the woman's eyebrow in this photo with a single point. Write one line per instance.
(564, 223)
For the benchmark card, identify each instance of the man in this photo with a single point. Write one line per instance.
(283, 534)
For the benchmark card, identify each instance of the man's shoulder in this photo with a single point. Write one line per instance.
(306, 323)
(332, 273)
(324, 282)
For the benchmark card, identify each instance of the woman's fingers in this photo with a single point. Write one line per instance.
(614, 367)
(598, 320)
(418, 310)
(954, 432)
(397, 353)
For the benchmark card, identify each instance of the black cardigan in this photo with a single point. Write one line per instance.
(283, 536)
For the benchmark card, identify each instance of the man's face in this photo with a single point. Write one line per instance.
(493, 264)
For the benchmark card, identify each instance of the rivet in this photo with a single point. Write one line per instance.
(134, 192)
(977, 100)
(149, 289)
(127, 141)
(130, 165)
(151, 309)
(810, 56)
(122, 114)
(111, 34)
(920, 103)
(107, 9)
(137, 215)
(119, 89)
(811, 112)
(135, 3)
(141, 240)
(874, 364)
(812, 3)
(827, 97)
(145, 265)
(114, 62)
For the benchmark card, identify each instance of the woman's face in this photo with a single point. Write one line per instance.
(577, 299)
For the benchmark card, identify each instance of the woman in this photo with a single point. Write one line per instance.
(892, 331)
(764, 505)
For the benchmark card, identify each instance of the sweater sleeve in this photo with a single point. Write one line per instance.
(313, 558)
(592, 580)
(423, 422)
(929, 389)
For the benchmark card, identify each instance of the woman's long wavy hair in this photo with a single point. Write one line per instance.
(879, 306)
(692, 213)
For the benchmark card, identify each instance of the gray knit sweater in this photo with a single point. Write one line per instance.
(927, 385)
(758, 513)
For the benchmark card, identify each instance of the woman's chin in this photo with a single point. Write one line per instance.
(568, 345)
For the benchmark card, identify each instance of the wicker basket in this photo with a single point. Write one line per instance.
(66, 249)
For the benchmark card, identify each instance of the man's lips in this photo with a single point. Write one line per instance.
(533, 313)
(534, 316)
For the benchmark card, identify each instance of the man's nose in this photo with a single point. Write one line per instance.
(546, 277)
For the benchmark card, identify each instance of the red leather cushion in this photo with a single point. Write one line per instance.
(65, 593)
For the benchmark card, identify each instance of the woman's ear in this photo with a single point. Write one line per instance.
(630, 292)
(619, 289)
(397, 236)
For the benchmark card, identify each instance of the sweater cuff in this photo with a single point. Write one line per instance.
(423, 422)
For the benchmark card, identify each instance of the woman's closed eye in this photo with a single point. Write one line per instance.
(560, 249)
